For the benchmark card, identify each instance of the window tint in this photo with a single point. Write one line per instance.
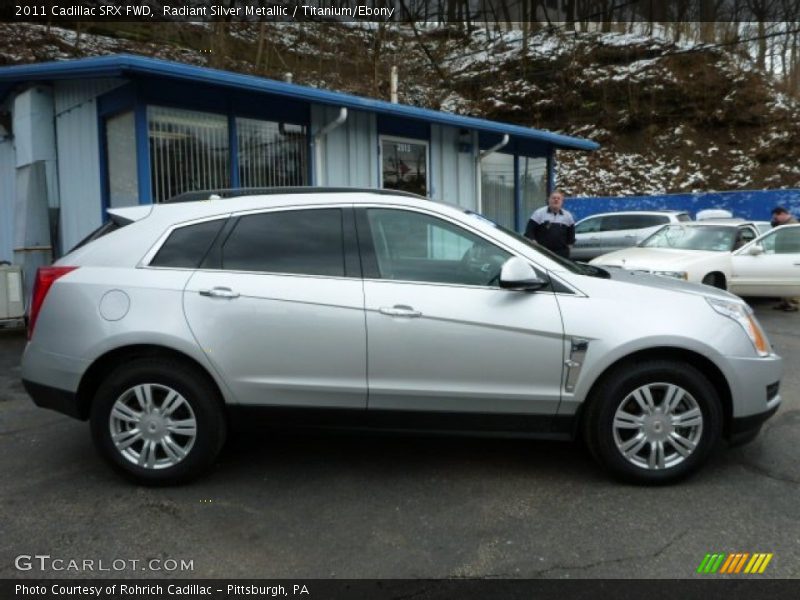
(411, 246)
(640, 221)
(305, 242)
(186, 246)
(589, 225)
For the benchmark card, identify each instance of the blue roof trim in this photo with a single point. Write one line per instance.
(119, 65)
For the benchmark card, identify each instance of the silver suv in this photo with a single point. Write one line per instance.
(369, 309)
(607, 232)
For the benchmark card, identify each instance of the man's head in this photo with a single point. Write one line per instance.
(555, 201)
(780, 215)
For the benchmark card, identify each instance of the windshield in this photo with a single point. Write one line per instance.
(568, 265)
(700, 237)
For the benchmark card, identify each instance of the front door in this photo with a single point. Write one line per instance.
(775, 272)
(442, 334)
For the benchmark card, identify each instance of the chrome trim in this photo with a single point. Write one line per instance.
(574, 363)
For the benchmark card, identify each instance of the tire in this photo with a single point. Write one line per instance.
(174, 441)
(716, 280)
(627, 442)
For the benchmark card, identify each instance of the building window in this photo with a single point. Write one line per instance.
(404, 165)
(533, 186)
(123, 185)
(497, 189)
(188, 151)
(271, 154)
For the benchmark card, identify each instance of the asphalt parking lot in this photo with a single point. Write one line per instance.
(315, 506)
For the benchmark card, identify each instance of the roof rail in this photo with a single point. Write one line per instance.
(261, 191)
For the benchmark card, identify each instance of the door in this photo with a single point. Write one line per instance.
(279, 309)
(442, 335)
(775, 271)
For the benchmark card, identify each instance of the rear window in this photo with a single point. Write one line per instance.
(109, 226)
(186, 247)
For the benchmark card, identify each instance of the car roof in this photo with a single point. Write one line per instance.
(298, 197)
(638, 212)
(713, 223)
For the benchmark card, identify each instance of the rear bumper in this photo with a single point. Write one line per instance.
(56, 399)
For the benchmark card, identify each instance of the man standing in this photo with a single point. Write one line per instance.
(552, 226)
(781, 216)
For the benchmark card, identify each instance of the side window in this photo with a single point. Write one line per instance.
(641, 221)
(783, 241)
(588, 226)
(683, 217)
(743, 236)
(303, 242)
(411, 246)
(186, 246)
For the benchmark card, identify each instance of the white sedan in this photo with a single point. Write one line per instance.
(693, 251)
(768, 266)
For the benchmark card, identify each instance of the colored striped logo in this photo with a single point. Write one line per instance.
(739, 562)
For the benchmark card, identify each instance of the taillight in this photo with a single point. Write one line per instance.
(45, 277)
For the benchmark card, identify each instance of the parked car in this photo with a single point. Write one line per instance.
(376, 309)
(698, 251)
(768, 266)
(606, 232)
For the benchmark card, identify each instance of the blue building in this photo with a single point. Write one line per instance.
(80, 136)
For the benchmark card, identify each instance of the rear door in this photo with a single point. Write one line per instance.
(442, 335)
(775, 272)
(278, 307)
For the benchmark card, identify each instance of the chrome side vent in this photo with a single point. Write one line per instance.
(574, 364)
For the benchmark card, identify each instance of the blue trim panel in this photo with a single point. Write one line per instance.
(103, 162)
(143, 155)
(407, 128)
(117, 100)
(124, 65)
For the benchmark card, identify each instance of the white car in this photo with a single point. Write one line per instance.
(695, 251)
(768, 266)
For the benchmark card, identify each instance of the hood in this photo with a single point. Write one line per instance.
(654, 259)
(668, 283)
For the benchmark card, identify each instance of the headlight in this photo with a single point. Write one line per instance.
(743, 315)
(676, 274)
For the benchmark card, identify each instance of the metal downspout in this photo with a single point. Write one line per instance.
(318, 142)
(478, 159)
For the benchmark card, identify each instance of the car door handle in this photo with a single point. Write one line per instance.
(220, 292)
(399, 310)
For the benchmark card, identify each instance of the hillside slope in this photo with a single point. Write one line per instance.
(670, 118)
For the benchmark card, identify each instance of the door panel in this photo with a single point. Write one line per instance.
(466, 349)
(776, 272)
(291, 340)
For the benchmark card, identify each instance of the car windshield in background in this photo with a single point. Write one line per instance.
(702, 237)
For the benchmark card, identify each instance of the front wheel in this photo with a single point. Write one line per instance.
(158, 421)
(653, 422)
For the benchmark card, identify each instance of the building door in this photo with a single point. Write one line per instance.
(404, 165)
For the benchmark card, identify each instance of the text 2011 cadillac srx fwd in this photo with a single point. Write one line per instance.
(334, 308)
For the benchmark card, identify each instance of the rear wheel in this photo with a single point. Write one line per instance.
(653, 422)
(158, 421)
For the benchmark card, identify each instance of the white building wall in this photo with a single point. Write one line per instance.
(7, 181)
(79, 157)
(453, 173)
(349, 152)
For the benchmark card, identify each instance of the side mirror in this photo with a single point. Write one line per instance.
(518, 275)
(755, 250)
